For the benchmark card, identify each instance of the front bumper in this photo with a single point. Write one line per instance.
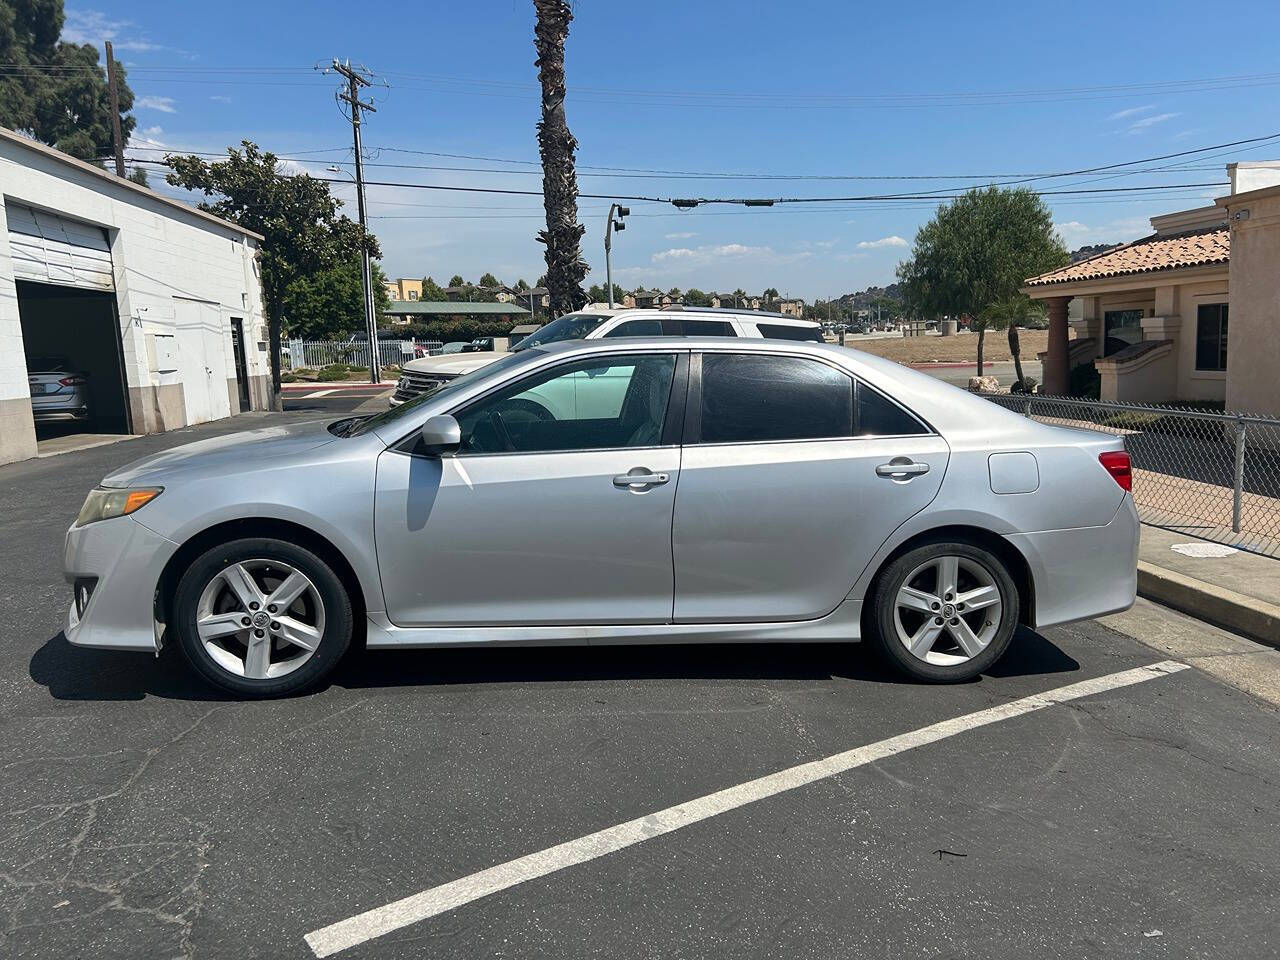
(124, 560)
(1084, 572)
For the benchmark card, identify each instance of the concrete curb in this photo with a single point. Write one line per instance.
(1242, 614)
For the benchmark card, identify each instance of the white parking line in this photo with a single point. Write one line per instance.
(449, 896)
(317, 393)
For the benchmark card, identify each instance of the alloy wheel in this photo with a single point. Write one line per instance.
(947, 610)
(260, 619)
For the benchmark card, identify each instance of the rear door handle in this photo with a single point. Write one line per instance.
(639, 477)
(901, 468)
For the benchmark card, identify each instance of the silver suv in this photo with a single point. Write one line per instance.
(431, 373)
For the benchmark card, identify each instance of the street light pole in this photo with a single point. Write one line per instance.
(609, 227)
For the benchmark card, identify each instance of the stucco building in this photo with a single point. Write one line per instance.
(1190, 313)
(154, 305)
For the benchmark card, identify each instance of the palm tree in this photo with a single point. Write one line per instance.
(565, 267)
(1011, 313)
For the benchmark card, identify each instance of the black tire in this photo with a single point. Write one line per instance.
(333, 642)
(880, 614)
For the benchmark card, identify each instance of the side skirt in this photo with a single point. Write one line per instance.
(842, 624)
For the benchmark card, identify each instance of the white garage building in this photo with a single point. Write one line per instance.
(152, 307)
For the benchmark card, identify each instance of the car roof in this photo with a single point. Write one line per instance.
(668, 313)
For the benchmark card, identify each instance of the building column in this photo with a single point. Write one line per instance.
(1056, 372)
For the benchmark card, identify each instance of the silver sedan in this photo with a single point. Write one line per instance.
(615, 491)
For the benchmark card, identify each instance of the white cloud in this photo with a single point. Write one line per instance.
(94, 26)
(680, 236)
(163, 104)
(1146, 123)
(1077, 234)
(705, 254)
(894, 241)
(1131, 111)
(673, 254)
(220, 98)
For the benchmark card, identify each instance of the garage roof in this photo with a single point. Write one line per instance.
(57, 155)
(451, 308)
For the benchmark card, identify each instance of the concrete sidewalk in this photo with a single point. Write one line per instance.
(1230, 588)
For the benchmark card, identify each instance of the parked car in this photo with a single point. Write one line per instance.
(58, 390)
(622, 491)
(601, 323)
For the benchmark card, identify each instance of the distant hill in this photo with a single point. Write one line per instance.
(864, 298)
(1084, 253)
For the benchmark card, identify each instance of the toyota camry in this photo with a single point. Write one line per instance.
(620, 491)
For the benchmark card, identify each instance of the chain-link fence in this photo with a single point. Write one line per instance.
(314, 354)
(1210, 475)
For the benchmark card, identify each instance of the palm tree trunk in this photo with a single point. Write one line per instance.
(1015, 348)
(982, 332)
(565, 267)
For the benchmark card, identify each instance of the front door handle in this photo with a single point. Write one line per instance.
(640, 477)
(901, 468)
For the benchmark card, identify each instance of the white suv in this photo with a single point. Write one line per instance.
(429, 373)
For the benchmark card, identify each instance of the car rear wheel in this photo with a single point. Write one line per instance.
(262, 617)
(944, 612)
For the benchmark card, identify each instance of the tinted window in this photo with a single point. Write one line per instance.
(878, 416)
(672, 328)
(593, 404)
(1211, 336)
(780, 331)
(572, 326)
(748, 398)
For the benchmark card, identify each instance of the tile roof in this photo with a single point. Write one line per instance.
(1192, 248)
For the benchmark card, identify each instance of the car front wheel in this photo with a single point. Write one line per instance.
(944, 612)
(262, 617)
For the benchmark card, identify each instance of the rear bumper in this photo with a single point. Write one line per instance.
(54, 407)
(124, 559)
(1085, 572)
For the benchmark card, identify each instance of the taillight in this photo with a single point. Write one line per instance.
(1116, 463)
(71, 381)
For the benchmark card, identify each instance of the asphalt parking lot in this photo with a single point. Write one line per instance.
(145, 815)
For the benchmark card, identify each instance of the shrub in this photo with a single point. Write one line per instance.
(1085, 381)
(303, 372)
(334, 371)
(288, 378)
(1025, 385)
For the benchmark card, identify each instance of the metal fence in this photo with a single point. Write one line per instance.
(1209, 475)
(314, 354)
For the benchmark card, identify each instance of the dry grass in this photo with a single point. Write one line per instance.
(962, 348)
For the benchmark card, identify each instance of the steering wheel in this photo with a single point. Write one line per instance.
(500, 428)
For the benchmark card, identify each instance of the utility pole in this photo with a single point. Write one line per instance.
(116, 136)
(609, 227)
(355, 80)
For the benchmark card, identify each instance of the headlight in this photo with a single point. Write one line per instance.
(103, 503)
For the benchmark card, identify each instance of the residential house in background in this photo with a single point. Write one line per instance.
(403, 289)
(473, 292)
(1155, 313)
(403, 313)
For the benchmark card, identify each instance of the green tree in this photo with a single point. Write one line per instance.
(489, 280)
(53, 90)
(328, 304)
(976, 252)
(457, 281)
(304, 233)
(563, 236)
(597, 294)
(521, 285)
(1011, 313)
(694, 297)
(771, 294)
(432, 291)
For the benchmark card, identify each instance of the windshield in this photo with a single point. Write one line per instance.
(408, 408)
(572, 326)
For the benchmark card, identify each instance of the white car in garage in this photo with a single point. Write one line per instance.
(430, 373)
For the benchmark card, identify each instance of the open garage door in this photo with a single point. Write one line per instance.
(70, 327)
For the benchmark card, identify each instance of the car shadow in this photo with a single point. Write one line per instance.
(78, 673)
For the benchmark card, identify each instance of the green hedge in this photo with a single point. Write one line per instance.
(457, 328)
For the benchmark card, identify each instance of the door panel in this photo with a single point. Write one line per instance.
(781, 531)
(541, 538)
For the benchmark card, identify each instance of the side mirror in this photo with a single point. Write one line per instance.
(441, 436)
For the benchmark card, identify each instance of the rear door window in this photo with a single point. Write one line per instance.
(784, 331)
(752, 398)
(878, 416)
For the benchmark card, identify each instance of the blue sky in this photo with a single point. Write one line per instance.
(801, 88)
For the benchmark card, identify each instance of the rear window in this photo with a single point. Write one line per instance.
(783, 331)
